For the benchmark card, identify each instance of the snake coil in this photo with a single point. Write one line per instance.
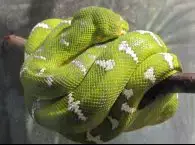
(85, 76)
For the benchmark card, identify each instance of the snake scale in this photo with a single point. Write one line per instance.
(85, 76)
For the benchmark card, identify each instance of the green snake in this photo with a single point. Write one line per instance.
(84, 77)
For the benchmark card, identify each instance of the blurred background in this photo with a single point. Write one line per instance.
(173, 20)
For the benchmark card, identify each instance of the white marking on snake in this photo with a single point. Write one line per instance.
(41, 71)
(36, 105)
(49, 81)
(74, 106)
(149, 75)
(106, 64)
(169, 58)
(40, 49)
(96, 139)
(40, 57)
(26, 55)
(138, 43)
(80, 66)
(63, 34)
(125, 107)
(124, 46)
(23, 70)
(152, 34)
(66, 22)
(128, 93)
(83, 24)
(114, 122)
(41, 25)
(64, 42)
(92, 56)
(101, 46)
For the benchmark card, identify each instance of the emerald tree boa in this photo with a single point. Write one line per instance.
(85, 76)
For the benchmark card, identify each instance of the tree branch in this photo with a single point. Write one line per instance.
(15, 40)
(177, 83)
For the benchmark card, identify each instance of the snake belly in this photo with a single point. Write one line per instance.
(85, 76)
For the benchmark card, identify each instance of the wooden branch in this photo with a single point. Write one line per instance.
(177, 83)
(15, 40)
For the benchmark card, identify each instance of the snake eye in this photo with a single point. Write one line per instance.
(123, 32)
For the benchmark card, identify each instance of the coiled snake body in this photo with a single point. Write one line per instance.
(85, 76)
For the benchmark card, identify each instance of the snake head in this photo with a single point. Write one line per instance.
(107, 24)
